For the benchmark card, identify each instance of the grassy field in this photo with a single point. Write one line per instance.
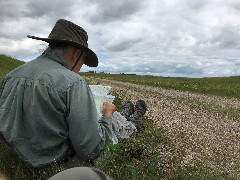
(222, 86)
(140, 156)
(7, 64)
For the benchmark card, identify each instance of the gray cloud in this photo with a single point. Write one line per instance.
(11, 10)
(41, 8)
(222, 40)
(196, 4)
(19, 18)
(114, 10)
(124, 44)
(234, 4)
(227, 37)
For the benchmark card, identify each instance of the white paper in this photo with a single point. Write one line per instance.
(100, 94)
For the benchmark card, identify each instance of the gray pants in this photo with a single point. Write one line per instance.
(122, 128)
(78, 173)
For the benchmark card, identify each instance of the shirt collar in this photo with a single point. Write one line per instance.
(54, 56)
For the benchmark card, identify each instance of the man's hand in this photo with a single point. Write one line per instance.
(108, 109)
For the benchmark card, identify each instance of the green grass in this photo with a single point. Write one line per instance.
(7, 64)
(221, 86)
(14, 168)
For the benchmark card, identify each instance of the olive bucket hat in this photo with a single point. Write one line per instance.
(67, 32)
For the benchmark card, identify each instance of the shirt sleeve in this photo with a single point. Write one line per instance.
(87, 133)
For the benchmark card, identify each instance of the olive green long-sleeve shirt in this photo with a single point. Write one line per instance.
(45, 108)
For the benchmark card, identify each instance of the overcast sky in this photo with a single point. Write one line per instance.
(192, 38)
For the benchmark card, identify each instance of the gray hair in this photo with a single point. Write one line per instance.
(61, 49)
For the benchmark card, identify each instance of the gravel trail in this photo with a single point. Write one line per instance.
(206, 134)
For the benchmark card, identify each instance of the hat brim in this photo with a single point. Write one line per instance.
(91, 59)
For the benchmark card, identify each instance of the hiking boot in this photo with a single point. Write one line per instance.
(141, 106)
(137, 117)
(128, 110)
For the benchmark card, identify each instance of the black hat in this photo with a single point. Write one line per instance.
(67, 32)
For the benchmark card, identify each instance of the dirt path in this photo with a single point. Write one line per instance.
(197, 123)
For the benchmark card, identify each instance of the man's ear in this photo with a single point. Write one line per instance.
(77, 53)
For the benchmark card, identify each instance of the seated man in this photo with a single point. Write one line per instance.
(47, 111)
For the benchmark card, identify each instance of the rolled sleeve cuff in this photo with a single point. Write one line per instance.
(106, 120)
